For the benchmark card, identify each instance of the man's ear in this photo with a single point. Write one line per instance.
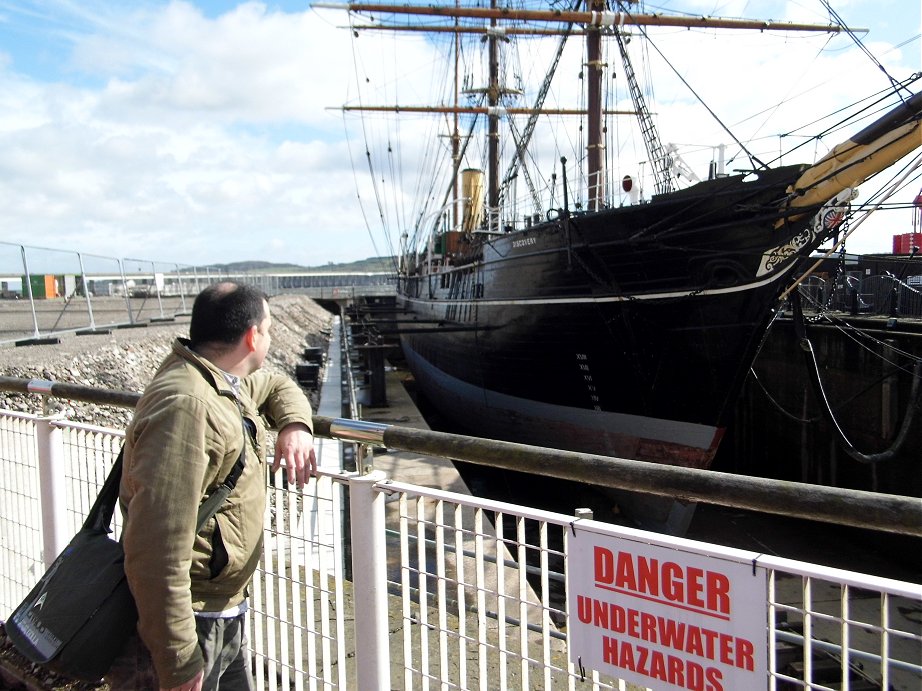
(249, 337)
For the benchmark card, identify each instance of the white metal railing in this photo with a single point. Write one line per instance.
(368, 583)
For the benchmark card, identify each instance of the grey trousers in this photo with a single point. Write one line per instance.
(224, 647)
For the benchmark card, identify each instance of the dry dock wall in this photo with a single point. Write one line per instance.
(779, 430)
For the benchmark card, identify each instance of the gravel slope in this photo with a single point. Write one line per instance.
(126, 359)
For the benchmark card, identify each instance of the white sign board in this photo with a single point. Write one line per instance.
(664, 618)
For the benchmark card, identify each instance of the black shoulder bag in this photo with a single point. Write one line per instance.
(77, 618)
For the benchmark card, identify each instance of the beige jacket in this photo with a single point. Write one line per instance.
(184, 439)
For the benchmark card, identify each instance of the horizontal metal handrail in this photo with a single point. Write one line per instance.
(75, 392)
(856, 508)
(848, 507)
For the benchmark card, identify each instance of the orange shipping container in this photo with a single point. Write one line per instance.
(41, 285)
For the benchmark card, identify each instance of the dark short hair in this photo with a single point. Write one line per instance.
(224, 311)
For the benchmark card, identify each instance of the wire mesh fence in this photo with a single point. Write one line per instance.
(484, 594)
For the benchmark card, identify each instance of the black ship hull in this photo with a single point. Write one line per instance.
(627, 332)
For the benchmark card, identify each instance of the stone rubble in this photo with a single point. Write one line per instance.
(126, 359)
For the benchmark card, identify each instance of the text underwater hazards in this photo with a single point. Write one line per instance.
(667, 619)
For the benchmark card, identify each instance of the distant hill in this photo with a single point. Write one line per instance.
(372, 264)
(362, 265)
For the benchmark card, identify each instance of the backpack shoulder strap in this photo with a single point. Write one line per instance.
(212, 503)
(100, 516)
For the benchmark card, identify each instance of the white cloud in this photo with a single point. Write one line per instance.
(184, 150)
(171, 134)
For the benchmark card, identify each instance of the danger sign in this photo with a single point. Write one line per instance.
(665, 618)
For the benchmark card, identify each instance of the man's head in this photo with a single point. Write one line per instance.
(228, 316)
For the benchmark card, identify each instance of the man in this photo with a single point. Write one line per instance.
(206, 404)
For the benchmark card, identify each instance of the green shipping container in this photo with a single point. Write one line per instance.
(43, 286)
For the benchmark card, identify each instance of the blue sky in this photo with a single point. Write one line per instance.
(198, 132)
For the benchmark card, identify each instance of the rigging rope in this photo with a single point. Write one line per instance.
(851, 332)
(522, 145)
(835, 15)
(780, 408)
(787, 99)
(813, 368)
(752, 157)
(848, 331)
(362, 207)
(377, 192)
(869, 109)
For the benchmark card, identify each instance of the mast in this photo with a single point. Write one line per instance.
(493, 93)
(455, 134)
(595, 147)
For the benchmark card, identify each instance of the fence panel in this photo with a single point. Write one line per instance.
(484, 605)
(89, 454)
(482, 594)
(478, 589)
(47, 292)
(85, 453)
(300, 599)
(20, 519)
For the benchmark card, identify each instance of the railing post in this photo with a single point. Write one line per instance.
(182, 295)
(27, 290)
(153, 268)
(121, 268)
(86, 292)
(369, 574)
(51, 487)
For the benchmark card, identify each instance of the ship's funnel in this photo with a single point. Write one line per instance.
(472, 191)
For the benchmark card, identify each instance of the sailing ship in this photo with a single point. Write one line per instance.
(605, 323)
